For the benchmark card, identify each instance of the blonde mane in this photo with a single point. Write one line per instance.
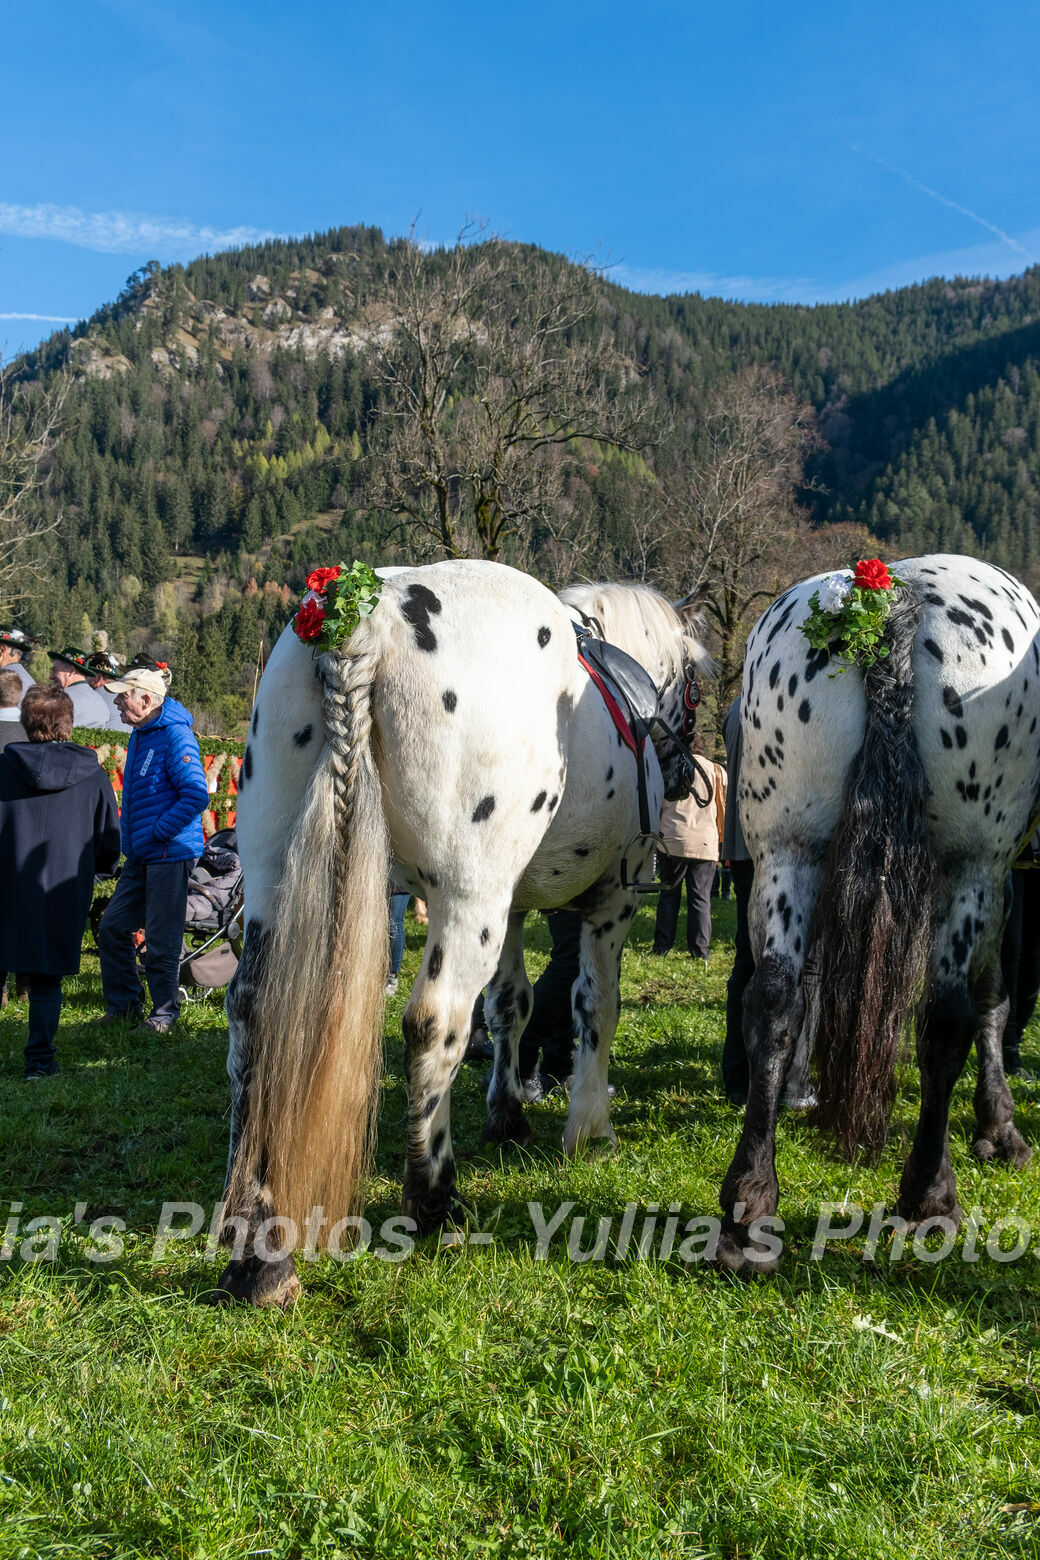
(639, 620)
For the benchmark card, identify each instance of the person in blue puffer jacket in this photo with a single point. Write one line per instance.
(164, 794)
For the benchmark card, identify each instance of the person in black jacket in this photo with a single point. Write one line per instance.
(59, 825)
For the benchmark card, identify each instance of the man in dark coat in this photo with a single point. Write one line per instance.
(59, 825)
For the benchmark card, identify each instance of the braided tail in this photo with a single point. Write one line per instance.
(874, 914)
(316, 1053)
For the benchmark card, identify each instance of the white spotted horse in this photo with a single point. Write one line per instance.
(882, 811)
(457, 733)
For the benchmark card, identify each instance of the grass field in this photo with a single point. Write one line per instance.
(475, 1399)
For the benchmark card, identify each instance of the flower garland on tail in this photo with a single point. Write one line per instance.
(849, 614)
(336, 601)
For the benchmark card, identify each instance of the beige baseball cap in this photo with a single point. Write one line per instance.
(143, 678)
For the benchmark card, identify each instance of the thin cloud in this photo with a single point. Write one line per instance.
(47, 319)
(122, 232)
(761, 289)
(944, 200)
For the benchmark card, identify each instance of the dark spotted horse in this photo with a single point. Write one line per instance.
(457, 733)
(882, 811)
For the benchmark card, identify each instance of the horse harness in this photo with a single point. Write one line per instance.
(634, 705)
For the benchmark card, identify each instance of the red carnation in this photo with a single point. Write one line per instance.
(309, 619)
(318, 579)
(871, 574)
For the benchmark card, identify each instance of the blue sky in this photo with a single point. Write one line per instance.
(753, 151)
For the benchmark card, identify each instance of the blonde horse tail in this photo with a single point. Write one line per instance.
(315, 1059)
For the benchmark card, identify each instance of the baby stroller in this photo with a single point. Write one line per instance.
(213, 922)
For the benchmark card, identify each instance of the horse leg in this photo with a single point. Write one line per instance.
(946, 1026)
(507, 1007)
(996, 1136)
(462, 952)
(597, 1004)
(774, 1014)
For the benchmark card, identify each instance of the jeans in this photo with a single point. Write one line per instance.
(398, 906)
(698, 875)
(152, 895)
(734, 1057)
(44, 1013)
(551, 1026)
(1020, 958)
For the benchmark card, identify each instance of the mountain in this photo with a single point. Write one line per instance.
(220, 434)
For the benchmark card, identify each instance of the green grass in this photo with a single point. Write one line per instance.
(475, 1399)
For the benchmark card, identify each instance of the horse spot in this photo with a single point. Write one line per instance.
(449, 698)
(933, 649)
(610, 793)
(544, 636)
(418, 607)
(953, 703)
(438, 1143)
(433, 969)
(256, 720)
(581, 850)
(591, 1038)
(792, 684)
(430, 1106)
(815, 662)
(303, 736)
(774, 674)
(450, 1039)
(804, 712)
(247, 763)
(552, 802)
(539, 801)
(999, 741)
(523, 1002)
(947, 740)
(978, 606)
(610, 773)
(961, 736)
(1009, 642)
(484, 935)
(484, 808)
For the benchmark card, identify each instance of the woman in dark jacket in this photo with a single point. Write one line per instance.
(59, 825)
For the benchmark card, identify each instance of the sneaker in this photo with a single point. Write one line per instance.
(42, 1072)
(390, 989)
(131, 1016)
(155, 1026)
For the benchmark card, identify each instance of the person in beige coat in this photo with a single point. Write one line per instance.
(691, 836)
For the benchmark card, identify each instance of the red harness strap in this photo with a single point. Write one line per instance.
(616, 713)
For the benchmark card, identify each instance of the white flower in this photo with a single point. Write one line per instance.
(834, 592)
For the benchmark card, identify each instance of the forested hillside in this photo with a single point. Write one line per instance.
(231, 423)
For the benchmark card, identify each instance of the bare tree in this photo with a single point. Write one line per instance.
(30, 417)
(739, 531)
(493, 366)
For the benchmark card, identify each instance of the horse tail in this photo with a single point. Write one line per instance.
(875, 911)
(316, 1052)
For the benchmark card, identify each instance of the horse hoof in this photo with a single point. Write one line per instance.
(252, 1282)
(924, 1212)
(582, 1139)
(732, 1257)
(1008, 1145)
(506, 1127)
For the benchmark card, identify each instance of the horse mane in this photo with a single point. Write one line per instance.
(639, 620)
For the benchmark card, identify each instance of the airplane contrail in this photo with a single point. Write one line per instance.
(944, 200)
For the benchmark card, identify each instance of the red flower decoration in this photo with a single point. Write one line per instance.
(308, 620)
(160, 666)
(318, 579)
(871, 574)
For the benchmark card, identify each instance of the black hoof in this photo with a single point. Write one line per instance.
(252, 1282)
(1007, 1144)
(732, 1256)
(506, 1124)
